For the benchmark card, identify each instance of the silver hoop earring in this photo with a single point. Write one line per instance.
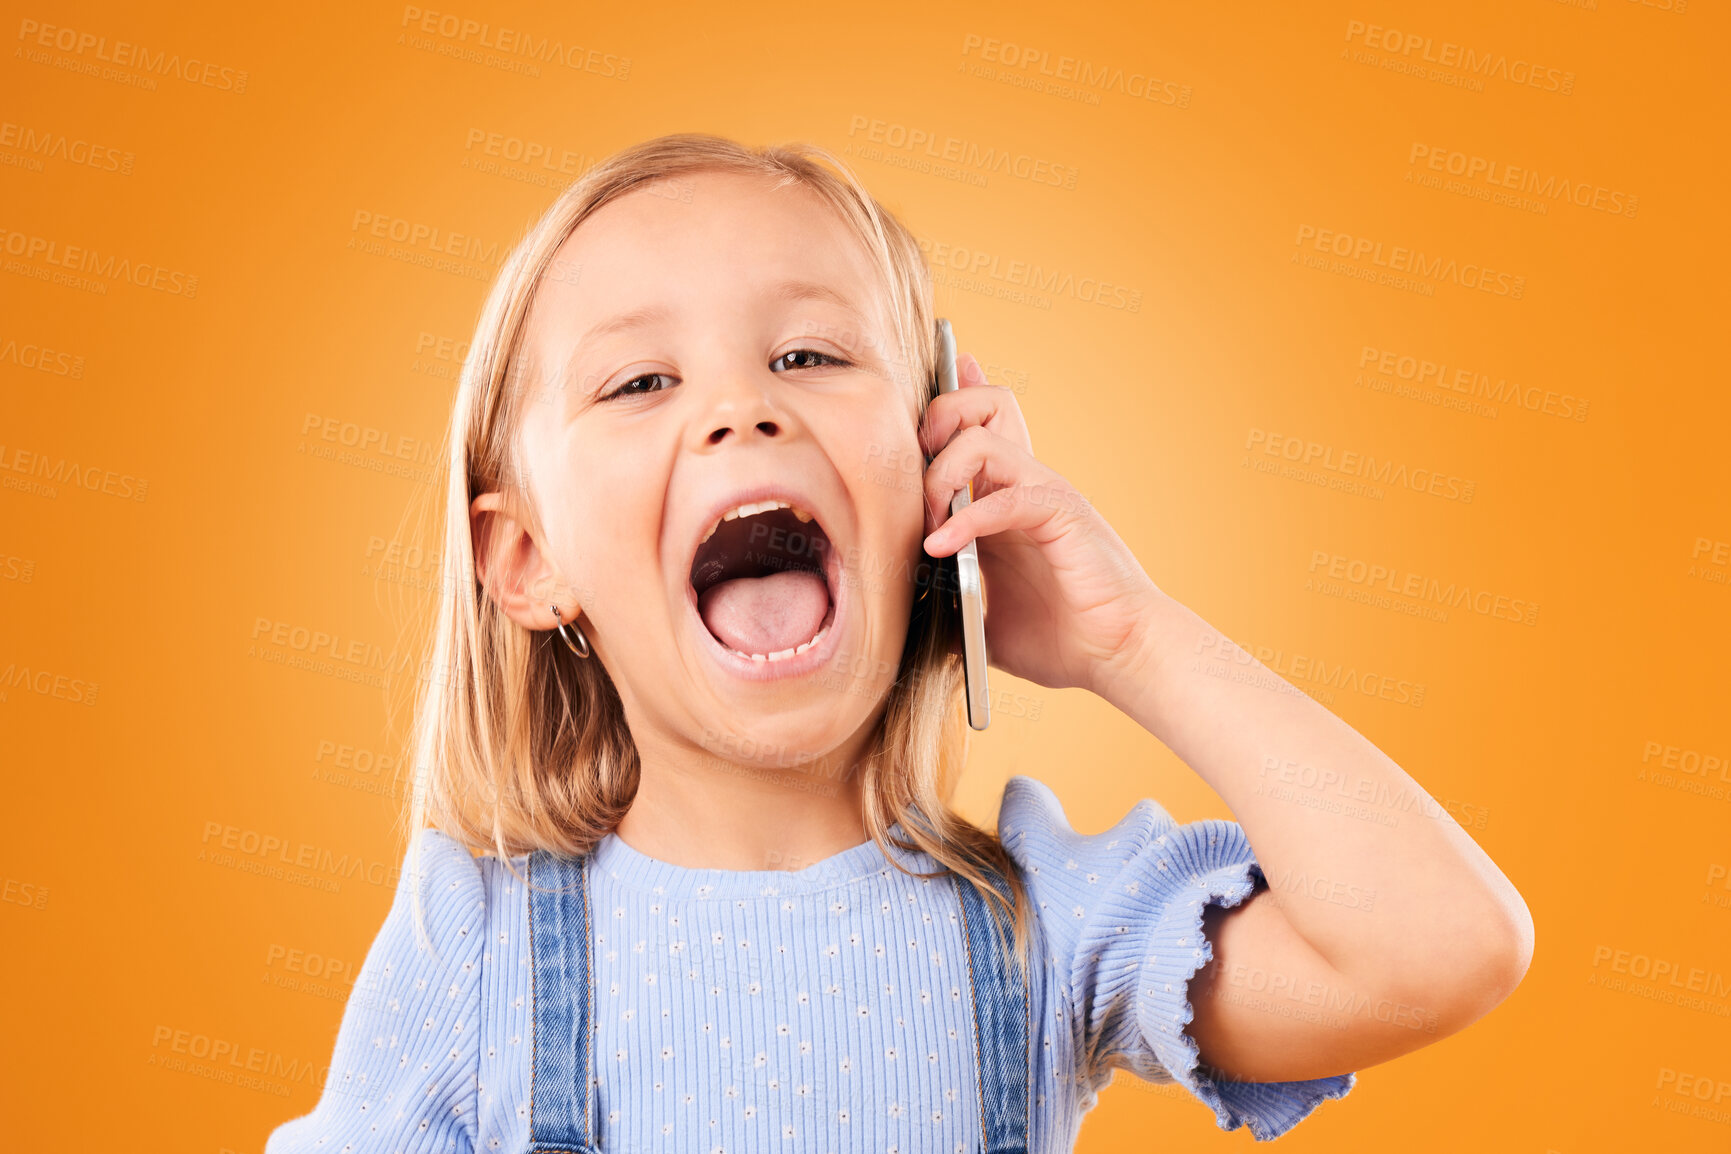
(581, 646)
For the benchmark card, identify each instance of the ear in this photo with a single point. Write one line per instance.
(511, 567)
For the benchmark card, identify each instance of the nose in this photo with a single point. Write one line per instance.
(738, 409)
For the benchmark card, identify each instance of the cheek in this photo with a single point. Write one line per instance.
(888, 480)
(604, 535)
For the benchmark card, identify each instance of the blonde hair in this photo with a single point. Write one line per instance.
(518, 744)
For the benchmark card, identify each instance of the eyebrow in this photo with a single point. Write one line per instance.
(792, 291)
(635, 319)
(799, 290)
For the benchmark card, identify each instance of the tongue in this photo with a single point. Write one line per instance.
(766, 614)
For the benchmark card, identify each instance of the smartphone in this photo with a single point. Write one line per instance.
(963, 566)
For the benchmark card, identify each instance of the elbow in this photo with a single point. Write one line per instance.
(1509, 942)
(1488, 965)
(1520, 944)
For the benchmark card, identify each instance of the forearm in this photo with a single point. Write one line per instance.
(1368, 869)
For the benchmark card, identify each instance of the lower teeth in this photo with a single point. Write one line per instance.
(783, 654)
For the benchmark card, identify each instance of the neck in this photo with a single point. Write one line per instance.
(699, 811)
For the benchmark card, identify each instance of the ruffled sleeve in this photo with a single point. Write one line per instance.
(1120, 915)
(403, 1075)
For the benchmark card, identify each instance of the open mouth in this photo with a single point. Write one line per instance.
(763, 580)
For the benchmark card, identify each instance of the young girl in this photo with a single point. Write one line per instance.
(701, 713)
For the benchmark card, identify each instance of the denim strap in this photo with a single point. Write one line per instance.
(560, 1074)
(999, 992)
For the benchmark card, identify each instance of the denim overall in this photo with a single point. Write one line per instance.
(561, 1104)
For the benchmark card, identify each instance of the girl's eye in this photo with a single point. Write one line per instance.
(803, 359)
(639, 386)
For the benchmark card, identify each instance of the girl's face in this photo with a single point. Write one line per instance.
(721, 446)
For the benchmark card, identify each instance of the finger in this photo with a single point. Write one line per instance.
(979, 457)
(968, 370)
(993, 406)
(1027, 507)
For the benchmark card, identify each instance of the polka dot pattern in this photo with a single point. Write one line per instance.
(819, 1009)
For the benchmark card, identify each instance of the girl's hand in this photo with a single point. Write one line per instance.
(1068, 603)
(1450, 937)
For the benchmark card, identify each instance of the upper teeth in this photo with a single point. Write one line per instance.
(752, 509)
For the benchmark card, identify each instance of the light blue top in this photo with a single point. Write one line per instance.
(819, 1009)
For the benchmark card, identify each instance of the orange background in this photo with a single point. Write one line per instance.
(1574, 748)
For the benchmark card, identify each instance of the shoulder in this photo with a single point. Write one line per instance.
(454, 917)
(442, 867)
(409, 1033)
(1085, 886)
(437, 920)
(443, 890)
(1037, 834)
(1040, 840)
(457, 899)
